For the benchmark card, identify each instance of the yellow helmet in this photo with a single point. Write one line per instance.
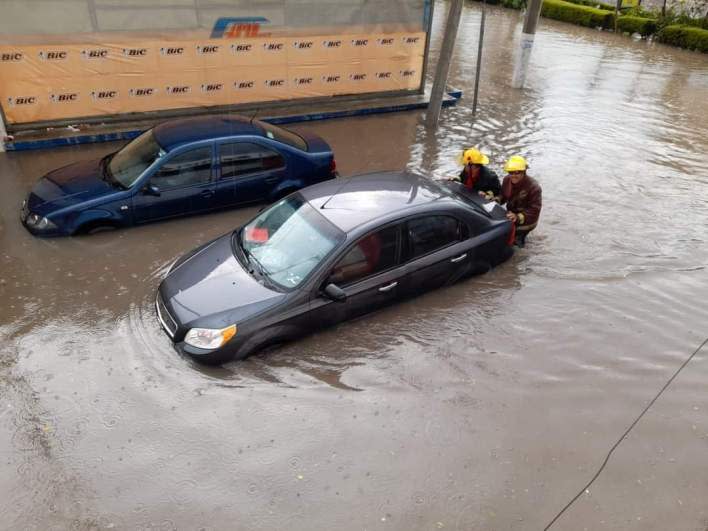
(473, 156)
(515, 163)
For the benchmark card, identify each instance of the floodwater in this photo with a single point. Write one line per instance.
(485, 405)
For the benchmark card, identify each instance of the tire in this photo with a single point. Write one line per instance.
(96, 227)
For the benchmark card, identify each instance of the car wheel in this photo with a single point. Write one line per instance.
(213, 358)
(95, 228)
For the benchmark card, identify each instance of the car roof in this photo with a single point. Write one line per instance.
(186, 130)
(349, 203)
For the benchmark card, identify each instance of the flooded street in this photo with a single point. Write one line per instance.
(485, 405)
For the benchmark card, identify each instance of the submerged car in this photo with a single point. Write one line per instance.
(325, 254)
(180, 167)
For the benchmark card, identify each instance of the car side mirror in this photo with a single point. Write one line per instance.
(335, 293)
(151, 189)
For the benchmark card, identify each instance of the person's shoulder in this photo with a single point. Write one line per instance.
(533, 183)
(490, 172)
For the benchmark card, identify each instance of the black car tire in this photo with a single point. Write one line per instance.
(96, 227)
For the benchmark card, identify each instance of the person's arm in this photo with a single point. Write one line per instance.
(529, 215)
(502, 197)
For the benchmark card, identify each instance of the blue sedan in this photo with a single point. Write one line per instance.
(177, 168)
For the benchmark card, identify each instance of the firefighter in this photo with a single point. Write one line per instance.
(476, 176)
(522, 196)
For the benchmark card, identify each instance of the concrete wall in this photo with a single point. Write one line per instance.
(79, 16)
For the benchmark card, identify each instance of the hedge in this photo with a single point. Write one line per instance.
(630, 24)
(590, 3)
(577, 14)
(685, 37)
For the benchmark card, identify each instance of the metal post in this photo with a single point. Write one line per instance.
(618, 6)
(528, 32)
(479, 59)
(443, 68)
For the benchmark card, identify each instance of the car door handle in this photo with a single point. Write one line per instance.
(207, 193)
(271, 180)
(458, 258)
(384, 289)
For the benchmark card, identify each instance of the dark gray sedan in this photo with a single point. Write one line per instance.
(325, 254)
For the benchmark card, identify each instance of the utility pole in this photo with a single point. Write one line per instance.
(528, 32)
(479, 58)
(443, 68)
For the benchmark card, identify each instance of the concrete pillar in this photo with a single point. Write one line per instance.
(443, 68)
(3, 133)
(528, 32)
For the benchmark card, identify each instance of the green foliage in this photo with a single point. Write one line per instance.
(592, 3)
(685, 37)
(630, 24)
(577, 14)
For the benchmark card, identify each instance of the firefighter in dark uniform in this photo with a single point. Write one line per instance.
(476, 176)
(522, 196)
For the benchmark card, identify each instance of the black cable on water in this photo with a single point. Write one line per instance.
(609, 454)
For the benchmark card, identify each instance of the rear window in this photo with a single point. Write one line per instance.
(282, 135)
(470, 198)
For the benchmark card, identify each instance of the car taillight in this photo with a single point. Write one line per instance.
(332, 166)
(512, 234)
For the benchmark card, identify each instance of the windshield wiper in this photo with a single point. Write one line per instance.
(255, 265)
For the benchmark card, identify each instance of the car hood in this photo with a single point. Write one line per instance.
(69, 185)
(213, 282)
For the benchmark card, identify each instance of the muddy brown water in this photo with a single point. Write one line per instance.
(485, 405)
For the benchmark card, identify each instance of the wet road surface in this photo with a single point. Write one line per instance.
(485, 405)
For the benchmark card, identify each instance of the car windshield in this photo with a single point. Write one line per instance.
(286, 242)
(129, 163)
(282, 135)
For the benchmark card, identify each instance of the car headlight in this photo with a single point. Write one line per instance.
(208, 338)
(40, 223)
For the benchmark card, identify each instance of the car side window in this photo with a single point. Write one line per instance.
(186, 169)
(430, 233)
(372, 254)
(244, 158)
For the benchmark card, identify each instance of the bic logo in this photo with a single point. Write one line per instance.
(182, 89)
(411, 40)
(135, 52)
(385, 42)
(22, 100)
(407, 73)
(360, 42)
(275, 83)
(212, 87)
(358, 77)
(138, 92)
(241, 48)
(172, 51)
(332, 44)
(236, 27)
(53, 55)
(11, 56)
(299, 81)
(242, 85)
(304, 45)
(208, 49)
(383, 75)
(104, 94)
(273, 46)
(94, 54)
(64, 98)
(331, 79)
